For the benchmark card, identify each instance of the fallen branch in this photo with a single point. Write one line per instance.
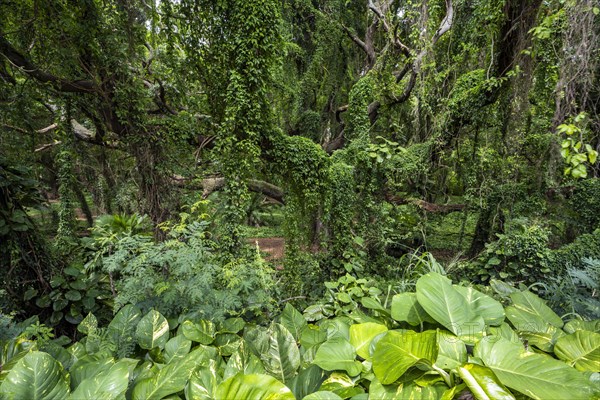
(47, 146)
(210, 185)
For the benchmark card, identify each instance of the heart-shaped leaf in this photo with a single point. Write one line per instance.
(397, 351)
(152, 331)
(254, 386)
(338, 354)
(580, 349)
(36, 376)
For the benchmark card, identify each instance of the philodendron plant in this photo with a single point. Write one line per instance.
(441, 342)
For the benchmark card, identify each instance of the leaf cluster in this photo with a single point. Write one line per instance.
(442, 341)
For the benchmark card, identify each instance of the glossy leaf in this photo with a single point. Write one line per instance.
(172, 378)
(88, 367)
(361, 336)
(448, 306)
(397, 351)
(282, 358)
(108, 385)
(341, 384)
(580, 325)
(244, 361)
(338, 354)
(203, 382)
(580, 349)
(227, 343)
(483, 383)
(405, 391)
(482, 305)
(124, 323)
(322, 395)
(531, 310)
(37, 376)
(233, 325)
(535, 375)
(307, 381)
(152, 331)
(202, 332)
(293, 320)
(406, 308)
(544, 339)
(452, 352)
(177, 347)
(253, 386)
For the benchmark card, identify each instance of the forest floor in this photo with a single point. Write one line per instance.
(274, 247)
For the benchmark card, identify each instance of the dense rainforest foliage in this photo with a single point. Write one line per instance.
(309, 199)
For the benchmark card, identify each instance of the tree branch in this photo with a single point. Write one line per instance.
(381, 17)
(356, 39)
(26, 66)
(210, 185)
(47, 146)
(446, 23)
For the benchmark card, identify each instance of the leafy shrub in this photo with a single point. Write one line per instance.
(576, 291)
(520, 254)
(571, 255)
(73, 294)
(301, 278)
(183, 274)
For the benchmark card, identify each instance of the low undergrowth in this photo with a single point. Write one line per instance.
(442, 341)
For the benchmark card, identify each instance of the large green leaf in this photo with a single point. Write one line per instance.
(177, 347)
(544, 338)
(452, 352)
(449, 307)
(528, 310)
(202, 332)
(313, 336)
(257, 339)
(483, 305)
(244, 361)
(152, 331)
(405, 391)
(341, 384)
(337, 327)
(123, 324)
(293, 320)
(580, 325)
(232, 325)
(307, 381)
(172, 378)
(483, 383)
(504, 331)
(282, 358)
(203, 382)
(361, 336)
(89, 366)
(535, 375)
(581, 350)
(338, 354)
(397, 351)
(451, 393)
(36, 376)
(253, 386)
(322, 395)
(406, 308)
(108, 385)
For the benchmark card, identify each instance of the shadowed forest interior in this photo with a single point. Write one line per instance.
(315, 199)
